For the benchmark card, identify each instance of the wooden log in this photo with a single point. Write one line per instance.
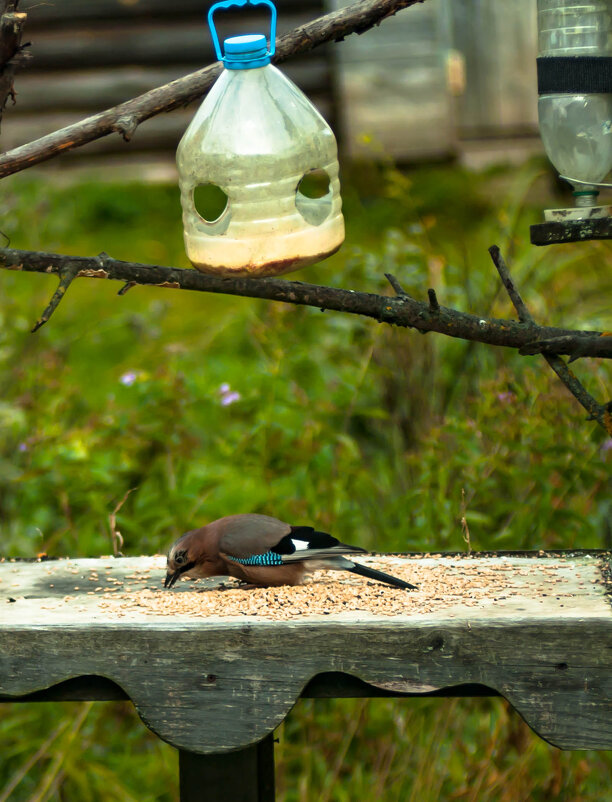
(151, 44)
(67, 12)
(92, 90)
(211, 683)
(161, 133)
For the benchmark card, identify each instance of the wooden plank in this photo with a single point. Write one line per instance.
(215, 683)
(246, 775)
(109, 45)
(393, 88)
(500, 97)
(161, 133)
(94, 90)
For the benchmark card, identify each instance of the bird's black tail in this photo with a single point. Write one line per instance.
(379, 576)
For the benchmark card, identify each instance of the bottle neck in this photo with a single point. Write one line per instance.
(586, 197)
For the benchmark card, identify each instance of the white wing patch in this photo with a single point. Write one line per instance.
(300, 545)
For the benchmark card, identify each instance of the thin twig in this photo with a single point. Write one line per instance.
(397, 287)
(126, 287)
(67, 275)
(116, 536)
(597, 412)
(125, 118)
(465, 529)
(524, 315)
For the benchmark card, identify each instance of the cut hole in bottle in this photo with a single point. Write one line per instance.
(314, 184)
(313, 197)
(210, 202)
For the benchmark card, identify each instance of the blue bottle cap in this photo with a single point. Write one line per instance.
(246, 52)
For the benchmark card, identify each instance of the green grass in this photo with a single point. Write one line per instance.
(371, 432)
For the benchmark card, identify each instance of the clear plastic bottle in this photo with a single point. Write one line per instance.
(577, 129)
(255, 137)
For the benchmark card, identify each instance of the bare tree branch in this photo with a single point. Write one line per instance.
(126, 117)
(598, 412)
(399, 311)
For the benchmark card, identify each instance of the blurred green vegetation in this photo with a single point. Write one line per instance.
(210, 405)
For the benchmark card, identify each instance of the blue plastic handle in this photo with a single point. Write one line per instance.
(228, 4)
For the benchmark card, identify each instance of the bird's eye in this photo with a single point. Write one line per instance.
(179, 558)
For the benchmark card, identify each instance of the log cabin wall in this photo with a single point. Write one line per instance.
(396, 94)
(450, 77)
(88, 56)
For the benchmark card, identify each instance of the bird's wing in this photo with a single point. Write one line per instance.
(305, 543)
(249, 536)
(245, 535)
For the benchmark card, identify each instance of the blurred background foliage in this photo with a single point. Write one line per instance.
(209, 405)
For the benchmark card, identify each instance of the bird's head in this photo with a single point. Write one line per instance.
(194, 555)
(181, 560)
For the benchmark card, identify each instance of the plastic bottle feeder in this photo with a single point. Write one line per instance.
(258, 167)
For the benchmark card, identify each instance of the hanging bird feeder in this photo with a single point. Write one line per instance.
(265, 163)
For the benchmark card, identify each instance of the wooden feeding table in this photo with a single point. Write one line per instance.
(213, 668)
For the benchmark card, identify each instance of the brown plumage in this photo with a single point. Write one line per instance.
(262, 551)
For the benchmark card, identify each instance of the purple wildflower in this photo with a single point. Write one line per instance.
(506, 398)
(128, 378)
(229, 398)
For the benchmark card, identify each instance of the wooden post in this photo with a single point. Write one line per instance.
(246, 775)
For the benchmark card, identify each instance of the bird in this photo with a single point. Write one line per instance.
(263, 552)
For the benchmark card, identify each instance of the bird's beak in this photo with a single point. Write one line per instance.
(171, 578)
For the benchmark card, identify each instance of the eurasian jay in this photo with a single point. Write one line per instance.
(263, 551)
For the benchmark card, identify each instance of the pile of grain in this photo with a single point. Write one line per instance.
(443, 585)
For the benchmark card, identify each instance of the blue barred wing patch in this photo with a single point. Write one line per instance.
(268, 558)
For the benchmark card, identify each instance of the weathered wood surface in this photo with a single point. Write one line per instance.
(543, 640)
